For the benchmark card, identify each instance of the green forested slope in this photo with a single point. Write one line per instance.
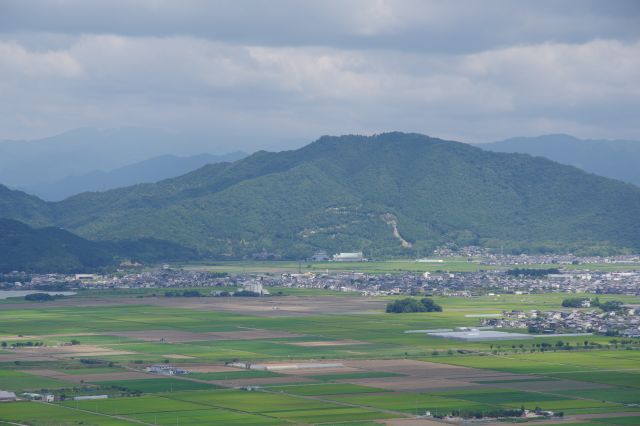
(50, 249)
(47, 249)
(344, 193)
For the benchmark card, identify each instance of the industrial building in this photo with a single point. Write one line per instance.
(6, 396)
(320, 256)
(254, 287)
(348, 257)
(165, 369)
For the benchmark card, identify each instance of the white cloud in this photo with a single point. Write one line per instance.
(18, 60)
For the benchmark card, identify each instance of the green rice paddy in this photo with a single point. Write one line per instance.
(608, 379)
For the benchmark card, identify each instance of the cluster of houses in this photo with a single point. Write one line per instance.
(625, 323)
(8, 396)
(440, 283)
(322, 256)
(166, 370)
(499, 282)
(499, 258)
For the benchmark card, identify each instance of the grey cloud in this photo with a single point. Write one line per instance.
(421, 25)
(275, 74)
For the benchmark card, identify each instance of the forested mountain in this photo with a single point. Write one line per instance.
(51, 249)
(24, 248)
(390, 194)
(147, 171)
(610, 158)
(17, 204)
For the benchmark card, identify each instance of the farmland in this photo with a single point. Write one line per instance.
(328, 359)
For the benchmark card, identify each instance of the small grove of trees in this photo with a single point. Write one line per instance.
(402, 306)
(22, 344)
(609, 306)
(243, 293)
(573, 302)
(39, 297)
(186, 293)
(478, 414)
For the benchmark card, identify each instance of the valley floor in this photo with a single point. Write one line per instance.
(317, 359)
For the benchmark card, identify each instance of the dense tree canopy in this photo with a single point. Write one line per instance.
(408, 305)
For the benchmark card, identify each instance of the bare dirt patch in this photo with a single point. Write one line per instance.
(556, 385)
(274, 306)
(413, 384)
(9, 338)
(169, 336)
(429, 370)
(328, 343)
(261, 381)
(199, 368)
(259, 306)
(68, 351)
(53, 374)
(24, 357)
(122, 375)
(251, 335)
(320, 371)
(181, 336)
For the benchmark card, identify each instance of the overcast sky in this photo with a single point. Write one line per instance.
(276, 74)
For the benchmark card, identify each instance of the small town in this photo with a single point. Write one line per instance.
(624, 322)
(493, 275)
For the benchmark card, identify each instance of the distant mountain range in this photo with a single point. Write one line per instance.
(393, 194)
(33, 164)
(147, 171)
(615, 159)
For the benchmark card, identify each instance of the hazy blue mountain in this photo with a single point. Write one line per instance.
(27, 163)
(392, 194)
(147, 171)
(24, 248)
(615, 159)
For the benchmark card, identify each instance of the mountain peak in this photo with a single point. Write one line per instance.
(337, 194)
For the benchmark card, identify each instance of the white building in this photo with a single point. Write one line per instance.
(85, 277)
(89, 397)
(254, 286)
(6, 396)
(348, 257)
(319, 256)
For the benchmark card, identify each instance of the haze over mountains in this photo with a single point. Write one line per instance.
(616, 159)
(89, 159)
(56, 166)
(393, 194)
(147, 171)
